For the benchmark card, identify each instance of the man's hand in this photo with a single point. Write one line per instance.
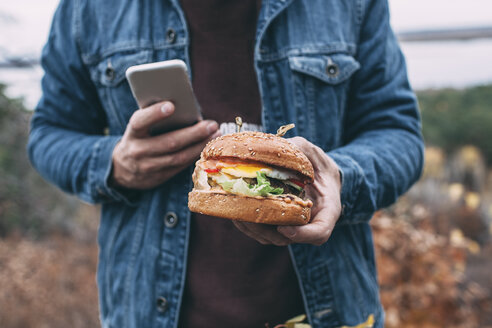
(141, 161)
(325, 194)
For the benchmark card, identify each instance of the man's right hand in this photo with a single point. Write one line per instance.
(142, 161)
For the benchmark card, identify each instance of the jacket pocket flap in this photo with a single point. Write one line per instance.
(332, 69)
(111, 70)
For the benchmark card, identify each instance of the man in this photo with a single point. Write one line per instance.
(332, 67)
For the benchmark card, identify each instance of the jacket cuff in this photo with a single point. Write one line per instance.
(351, 175)
(100, 167)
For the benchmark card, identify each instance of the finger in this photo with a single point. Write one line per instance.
(174, 141)
(143, 119)
(156, 178)
(315, 154)
(182, 158)
(316, 232)
(267, 232)
(302, 143)
(297, 141)
(325, 168)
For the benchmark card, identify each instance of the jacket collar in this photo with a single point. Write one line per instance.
(269, 10)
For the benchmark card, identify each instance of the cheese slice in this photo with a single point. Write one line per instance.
(245, 171)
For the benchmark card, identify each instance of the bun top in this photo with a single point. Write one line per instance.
(260, 147)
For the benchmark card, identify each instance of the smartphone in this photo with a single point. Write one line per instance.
(166, 80)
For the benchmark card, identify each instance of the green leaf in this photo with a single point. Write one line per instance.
(263, 187)
(261, 178)
(241, 187)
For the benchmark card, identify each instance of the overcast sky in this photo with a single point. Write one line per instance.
(423, 14)
(34, 17)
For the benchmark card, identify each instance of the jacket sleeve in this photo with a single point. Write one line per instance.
(66, 142)
(382, 154)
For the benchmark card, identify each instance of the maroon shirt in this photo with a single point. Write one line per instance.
(232, 280)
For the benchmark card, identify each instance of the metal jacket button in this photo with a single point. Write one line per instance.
(109, 73)
(331, 68)
(161, 304)
(170, 36)
(171, 219)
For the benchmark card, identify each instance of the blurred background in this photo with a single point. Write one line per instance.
(433, 246)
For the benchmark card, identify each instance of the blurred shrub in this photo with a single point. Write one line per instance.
(452, 192)
(454, 118)
(28, 204)
(422, 276)
(435, 164)
(467, 166)
(434, 247)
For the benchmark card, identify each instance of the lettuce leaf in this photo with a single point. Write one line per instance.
(239, 186)
(264, 188)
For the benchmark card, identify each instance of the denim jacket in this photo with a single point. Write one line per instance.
(332, 67)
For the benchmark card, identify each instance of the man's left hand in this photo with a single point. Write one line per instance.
(325, 194)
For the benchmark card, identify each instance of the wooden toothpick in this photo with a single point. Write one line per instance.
(284, 128)
(239, 123)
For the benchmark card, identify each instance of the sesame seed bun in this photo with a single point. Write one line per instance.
(260, 147)
(268, 210)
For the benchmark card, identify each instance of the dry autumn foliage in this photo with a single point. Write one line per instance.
(49, 283)
(433, 255)
(422, 277)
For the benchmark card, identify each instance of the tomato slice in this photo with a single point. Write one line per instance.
(212, 170)
(297, 182)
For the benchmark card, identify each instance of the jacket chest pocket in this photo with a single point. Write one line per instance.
(114, 91)
(320, 86)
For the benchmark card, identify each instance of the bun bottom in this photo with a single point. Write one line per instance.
(258, 210)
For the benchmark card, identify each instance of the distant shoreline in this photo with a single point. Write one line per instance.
(449, 34)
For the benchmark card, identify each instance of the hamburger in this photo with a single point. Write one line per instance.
(252, 176)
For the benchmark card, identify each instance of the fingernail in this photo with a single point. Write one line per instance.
(166, 108)
(287, 231)
(212, 127)
(216, 134)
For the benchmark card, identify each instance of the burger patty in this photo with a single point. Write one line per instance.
(288, 189)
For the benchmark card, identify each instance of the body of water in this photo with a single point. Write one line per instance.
(454, 64)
